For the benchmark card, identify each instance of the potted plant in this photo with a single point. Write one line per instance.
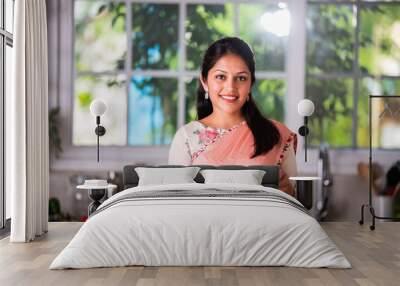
(54, 132)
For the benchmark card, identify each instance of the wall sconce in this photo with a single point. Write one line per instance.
(305, 108)
(98, 108)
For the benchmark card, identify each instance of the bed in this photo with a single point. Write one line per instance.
(201, 224)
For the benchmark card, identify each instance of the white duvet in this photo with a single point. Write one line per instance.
(182, 231)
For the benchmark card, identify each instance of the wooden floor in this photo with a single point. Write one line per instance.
(374, 255)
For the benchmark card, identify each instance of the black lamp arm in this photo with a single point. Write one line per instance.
(100, 131)
(304, 131)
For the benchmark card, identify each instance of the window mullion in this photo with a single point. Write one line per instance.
(236, 19)
(128, 61)
(182, 62)
(2, 129)
(295, 64)
(3, 21)
(356, 76)
(328, 76)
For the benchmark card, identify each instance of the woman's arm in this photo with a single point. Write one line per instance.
(288, 169)
(179, 152)
(289, 164)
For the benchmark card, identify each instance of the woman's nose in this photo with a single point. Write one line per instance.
(230, 84)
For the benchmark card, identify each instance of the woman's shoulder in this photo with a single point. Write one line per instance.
(287, 135)
(191, 126)
(283, 129)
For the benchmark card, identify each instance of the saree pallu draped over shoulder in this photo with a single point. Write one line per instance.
(235, 146)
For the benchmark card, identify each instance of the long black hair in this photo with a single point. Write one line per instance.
(265, 134)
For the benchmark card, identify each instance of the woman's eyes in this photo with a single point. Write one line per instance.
(239, 78)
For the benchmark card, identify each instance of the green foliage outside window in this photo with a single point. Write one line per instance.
(379, 34)
(332, 70)
(332, 73)
(152, 110)
(330, 38)
(269, 49)
(269, 96)
(204, 25)
(155, 36)
(99, 25)
(100, 37)
(332, 118)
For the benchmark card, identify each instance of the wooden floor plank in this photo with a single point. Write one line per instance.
(374, 255)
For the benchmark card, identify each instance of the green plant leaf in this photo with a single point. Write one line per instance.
(85, 98)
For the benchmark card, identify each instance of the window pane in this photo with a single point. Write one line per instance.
(265, 28)
(152, 116)
(205, 24)
(330, 38)
(155, 46)
(375, 87)
(332, 119)
(110, 89)
(269, 96)
(191, 99)
(380, 41)
(9, 12)
(385, 123)
(100, 38)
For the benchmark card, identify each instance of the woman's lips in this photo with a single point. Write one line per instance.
(229, 98)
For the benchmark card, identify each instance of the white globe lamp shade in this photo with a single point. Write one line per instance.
(305, 107)
(98, 107)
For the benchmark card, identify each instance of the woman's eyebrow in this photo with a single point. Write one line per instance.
(245, 72)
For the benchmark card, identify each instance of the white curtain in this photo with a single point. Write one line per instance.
(28, 147)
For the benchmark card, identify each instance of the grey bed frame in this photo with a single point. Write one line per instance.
(270, 179)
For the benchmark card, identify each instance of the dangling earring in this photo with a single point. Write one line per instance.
(206, 95)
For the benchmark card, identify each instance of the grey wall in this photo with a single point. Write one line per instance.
(73, 202)
(349, 192)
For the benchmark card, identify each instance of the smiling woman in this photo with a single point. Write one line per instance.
(230, 129)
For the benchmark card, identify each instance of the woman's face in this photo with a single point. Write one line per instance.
(228, 83)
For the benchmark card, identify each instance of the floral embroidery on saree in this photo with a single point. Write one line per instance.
(208, 137)
(205, 135)
(291, 137)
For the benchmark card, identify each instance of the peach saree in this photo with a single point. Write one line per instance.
(236, 145)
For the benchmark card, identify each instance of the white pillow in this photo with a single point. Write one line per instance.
(249, 177)
(163, 176)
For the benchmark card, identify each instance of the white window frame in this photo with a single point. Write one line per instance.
(345, 160)
(113, 157)
(6, 40)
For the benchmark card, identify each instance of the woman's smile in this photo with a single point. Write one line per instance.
(229, 98)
